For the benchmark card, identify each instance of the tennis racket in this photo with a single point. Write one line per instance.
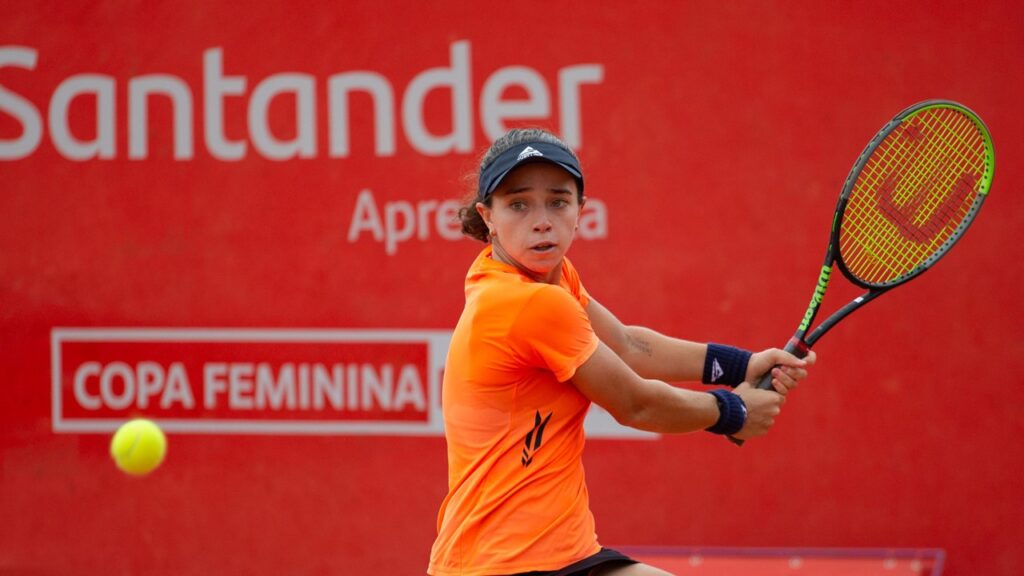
(909, 198)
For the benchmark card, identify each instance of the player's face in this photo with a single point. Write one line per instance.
(533, 216)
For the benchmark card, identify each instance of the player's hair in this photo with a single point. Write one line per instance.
(472, 223)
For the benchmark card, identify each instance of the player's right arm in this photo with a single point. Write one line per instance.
(656, 406)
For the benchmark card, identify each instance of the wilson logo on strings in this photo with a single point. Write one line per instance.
(908, 218)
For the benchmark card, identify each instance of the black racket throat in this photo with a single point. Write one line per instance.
(801, 343)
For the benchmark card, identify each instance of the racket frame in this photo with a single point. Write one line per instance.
(801, 342)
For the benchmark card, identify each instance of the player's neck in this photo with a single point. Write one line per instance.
(552, 277)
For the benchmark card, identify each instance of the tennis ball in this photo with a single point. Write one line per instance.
(138, 447)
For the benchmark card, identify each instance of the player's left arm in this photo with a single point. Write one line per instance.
(648, 352)
(652, 354)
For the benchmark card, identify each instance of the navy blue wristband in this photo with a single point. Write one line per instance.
(732, 413)
(725, 365)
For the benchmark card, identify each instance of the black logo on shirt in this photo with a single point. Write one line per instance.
(534, 438)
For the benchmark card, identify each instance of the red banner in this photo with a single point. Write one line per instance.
(255, 381)
(240, 221)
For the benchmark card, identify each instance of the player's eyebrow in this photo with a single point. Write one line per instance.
(520, 189)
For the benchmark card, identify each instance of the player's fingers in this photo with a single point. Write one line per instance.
(795, 374)
(786, 359)
(783, 380)
(783, 358)
(779, 387)
(780, 399)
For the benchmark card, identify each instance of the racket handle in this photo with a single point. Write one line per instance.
(794, 347)
(765, 382)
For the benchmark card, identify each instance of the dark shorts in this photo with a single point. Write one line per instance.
(606, 557)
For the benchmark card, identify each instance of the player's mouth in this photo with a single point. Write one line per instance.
(543, 247)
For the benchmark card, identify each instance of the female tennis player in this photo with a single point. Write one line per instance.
(530, 353)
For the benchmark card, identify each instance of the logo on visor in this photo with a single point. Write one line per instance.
(527, 152)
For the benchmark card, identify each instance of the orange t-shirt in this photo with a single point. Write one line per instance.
(517, 500)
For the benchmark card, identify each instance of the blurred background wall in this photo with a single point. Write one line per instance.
(237, 220)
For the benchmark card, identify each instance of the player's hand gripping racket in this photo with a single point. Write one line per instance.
(911, 195)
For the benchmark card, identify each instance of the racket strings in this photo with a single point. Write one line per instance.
(912, 195)
(911, 205)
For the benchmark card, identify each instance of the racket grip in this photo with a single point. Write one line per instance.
(794, 347)
(765, 382)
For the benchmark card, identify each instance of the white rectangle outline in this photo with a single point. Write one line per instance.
(437, 348)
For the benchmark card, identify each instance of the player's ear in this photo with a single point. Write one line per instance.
(485, 214)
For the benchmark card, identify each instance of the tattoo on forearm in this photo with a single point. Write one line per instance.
(641, 345)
